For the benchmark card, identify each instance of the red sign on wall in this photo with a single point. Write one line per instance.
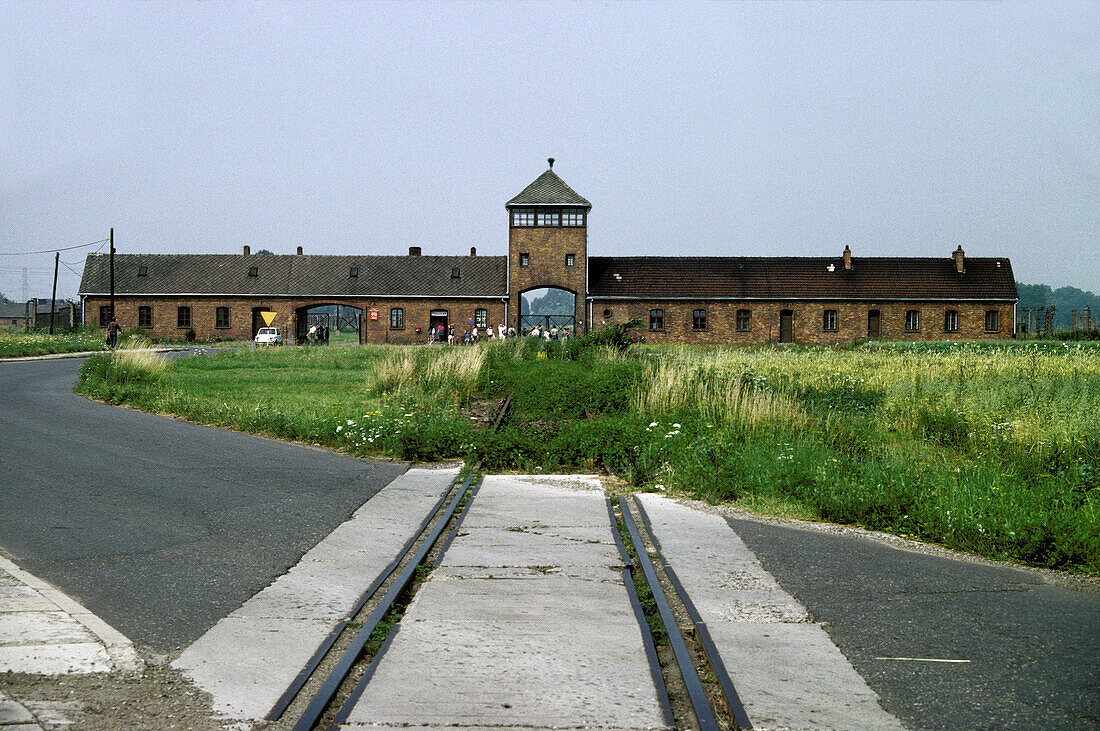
(374, 314)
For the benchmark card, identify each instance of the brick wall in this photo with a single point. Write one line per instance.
(204, 311)
(807, 321)
(546, 247)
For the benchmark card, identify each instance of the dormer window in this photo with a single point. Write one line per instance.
(455, 274)
(354, 272)
(143, 271)
(572, 217)
(523, 216)
(253, 271)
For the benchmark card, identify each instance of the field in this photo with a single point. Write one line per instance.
(20, 344)
(988, 448)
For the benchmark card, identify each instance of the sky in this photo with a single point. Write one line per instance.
(701, 129)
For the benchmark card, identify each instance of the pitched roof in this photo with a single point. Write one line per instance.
(298, 275)
(548, 190)
(794, 278)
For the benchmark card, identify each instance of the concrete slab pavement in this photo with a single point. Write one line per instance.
(787, 671)
(248, 659)
(526, 623)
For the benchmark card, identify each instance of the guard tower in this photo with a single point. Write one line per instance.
(548, 245)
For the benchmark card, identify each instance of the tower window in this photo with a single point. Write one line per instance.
(524, 259)
(570, 260)
(549, 218)
(523, 216)
(572, 217)
(656, 319)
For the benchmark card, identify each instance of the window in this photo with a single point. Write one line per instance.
(743, 320)
(143, 271)
(570, 260)
(828, 320)
(455, 273)
(253, 271)
(549, 218)
(481, 318)
(656, 319)
(992, 321)
(951, 321)
(221, 317)
(145, 316)
(183, 317)
(524, 259)
(912, 321)
(104, 315)
(572, 217)
(699, 320)
(523, 216)
(397, 318)
(354, 272)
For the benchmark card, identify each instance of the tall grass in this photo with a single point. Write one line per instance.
(19, 344)
(991, 448)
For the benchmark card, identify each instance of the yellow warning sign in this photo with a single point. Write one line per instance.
(268, 316)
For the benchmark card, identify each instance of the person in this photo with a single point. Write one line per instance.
(511, 331)
(451, 335)
(534, 331)
(439, 333)
(489, 333)
(546, 335)
(500, 331)
(113, 329)
(312, 335)
(554, 333)
(474, 338)
(564, 334)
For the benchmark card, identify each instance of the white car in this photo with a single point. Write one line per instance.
(269, 336)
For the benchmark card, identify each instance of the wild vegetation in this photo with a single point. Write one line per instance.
(21, 344)
(992, 448)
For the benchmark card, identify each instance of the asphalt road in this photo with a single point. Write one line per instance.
(158, 526)
(1033, 649)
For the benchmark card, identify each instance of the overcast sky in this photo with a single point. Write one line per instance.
(719, 129)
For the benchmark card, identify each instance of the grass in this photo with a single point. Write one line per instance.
(992, 448)
(20, 344)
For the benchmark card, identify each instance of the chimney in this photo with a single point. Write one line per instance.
(959, 258)
(299, 251)
(473, 251)
(414, 251)
(847, 258)
(247, 250)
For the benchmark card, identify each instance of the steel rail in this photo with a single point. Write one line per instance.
(336, 677)
(304, 675)
(643, 624)
(704, 714)
(733, 700)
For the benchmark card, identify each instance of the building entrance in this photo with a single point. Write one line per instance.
(437, 318)
(873, 324)
(331, 324)
(786, 326)
(546, 308)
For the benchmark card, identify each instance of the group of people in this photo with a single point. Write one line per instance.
(317, 335)
(448, 334)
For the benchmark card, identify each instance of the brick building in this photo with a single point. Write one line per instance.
(394, 299)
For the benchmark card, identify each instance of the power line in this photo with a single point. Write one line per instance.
(51, 251)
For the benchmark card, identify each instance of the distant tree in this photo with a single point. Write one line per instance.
(266, 251)
(1064, 300)
(3, 298)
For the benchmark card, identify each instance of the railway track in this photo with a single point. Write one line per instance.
(677, 645)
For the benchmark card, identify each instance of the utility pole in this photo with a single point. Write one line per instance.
(53, 294)
(112, 273)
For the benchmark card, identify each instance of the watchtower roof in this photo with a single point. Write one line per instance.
(548, 190)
